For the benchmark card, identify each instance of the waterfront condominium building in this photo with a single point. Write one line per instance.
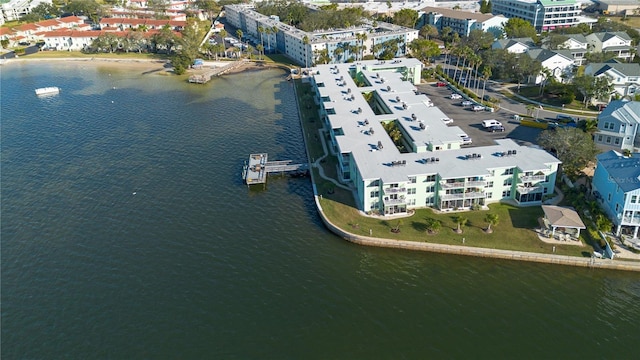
(463, 22)
(307, 48)
(544, 15)
(428, 162)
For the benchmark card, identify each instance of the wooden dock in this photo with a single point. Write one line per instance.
(210, 73)
(256, 169)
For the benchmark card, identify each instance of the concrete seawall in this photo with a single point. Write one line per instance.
(478, 252)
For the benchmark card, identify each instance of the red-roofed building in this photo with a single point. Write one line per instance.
(71, 21)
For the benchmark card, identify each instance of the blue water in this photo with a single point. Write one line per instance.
(126, 232)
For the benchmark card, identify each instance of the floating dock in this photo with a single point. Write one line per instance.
(256, 169)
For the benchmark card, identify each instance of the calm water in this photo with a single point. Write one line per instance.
(127, 233)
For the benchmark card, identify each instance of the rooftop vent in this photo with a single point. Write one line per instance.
(414, 117)
(379, 145)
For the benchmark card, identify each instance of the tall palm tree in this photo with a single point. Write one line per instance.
(460, 221)
(491, 219)
(305, 43)
(261, 31)
(486, 74)
(239, 34)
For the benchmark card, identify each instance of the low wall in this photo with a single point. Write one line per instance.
(479, 252)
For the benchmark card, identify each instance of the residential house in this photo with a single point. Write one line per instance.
(618, 43)
(625, 77)
(514, 45)
(557, 65)
(575, 46)
(616, 185)
(463, 22)
(618, 126)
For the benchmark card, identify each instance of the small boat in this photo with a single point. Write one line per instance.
(47, 90)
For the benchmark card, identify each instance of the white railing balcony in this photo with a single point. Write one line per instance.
(395, 190)
(445, 197)
(474, 195)
(627, 220)
(476, 183)
(530, 189)
(389, 201)
(533, 178)
(452, 185)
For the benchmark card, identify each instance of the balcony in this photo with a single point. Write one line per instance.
(453, 185)
(477, 183)
(533, 178)
(530, 189)
(463, 196)
(395, 190)
(390, 202)
(628, 220)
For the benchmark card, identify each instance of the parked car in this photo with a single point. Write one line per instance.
(467, 103)
(441, 84)
(495, 128)
(477, 108)
(466, 140)
(455, 96)
(565, 118)
(487, 98)
(490, 123)
(447, 120)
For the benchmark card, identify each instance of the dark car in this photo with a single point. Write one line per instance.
(495, 128)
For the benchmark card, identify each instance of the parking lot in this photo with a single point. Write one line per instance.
(471, 122)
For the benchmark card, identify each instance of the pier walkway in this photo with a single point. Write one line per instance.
(256, 169)
(208, 74)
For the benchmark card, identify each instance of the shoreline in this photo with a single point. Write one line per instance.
(159, 66)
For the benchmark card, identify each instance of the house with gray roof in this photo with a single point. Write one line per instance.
(514, 45)
(431, 163)
(616, 185)
(625, 77)
(575, 46)
(618, 126)
(618, 42)
(558, 65)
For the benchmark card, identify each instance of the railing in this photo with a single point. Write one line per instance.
(630, 221)
(476, 183)
(452, 185)
(394, 190)
(389, 201)
(532, 178)
(530, 190)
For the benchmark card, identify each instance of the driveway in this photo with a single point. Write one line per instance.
(470, 121)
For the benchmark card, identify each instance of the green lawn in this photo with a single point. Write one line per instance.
(514, 230)
(533, 93)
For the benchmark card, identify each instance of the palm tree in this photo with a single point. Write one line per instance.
(261, 31)
(260, 49)
(305, 42)
(491, 219)
(397, 228)
(239, 33)
(433, 226)
(486, 74)
(460, 221)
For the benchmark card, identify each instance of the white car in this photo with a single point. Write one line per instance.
(490, 123)
(477, 108)
(447, 120)
(466, 140)
(467, 103)
(455, 96)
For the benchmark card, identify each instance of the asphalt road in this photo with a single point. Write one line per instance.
(470, 121)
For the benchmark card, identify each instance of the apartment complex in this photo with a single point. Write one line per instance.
(544, 15)
(463, 22)
(430, 165)
(305, 47)
(15, 9)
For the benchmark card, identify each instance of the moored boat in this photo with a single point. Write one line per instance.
(47, 90)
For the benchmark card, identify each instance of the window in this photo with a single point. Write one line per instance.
(506, 193)
(508, 171)
(599, 138)
(489, 195)
(616, 141)
(490, 184)
(431, 189)
(411, 191)
(431, 178)
(507, 182)
(617, 207)
(608, 141)
(375, 194)
(412, 179)
(634, 199)
(608, 126)
(609, 197)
